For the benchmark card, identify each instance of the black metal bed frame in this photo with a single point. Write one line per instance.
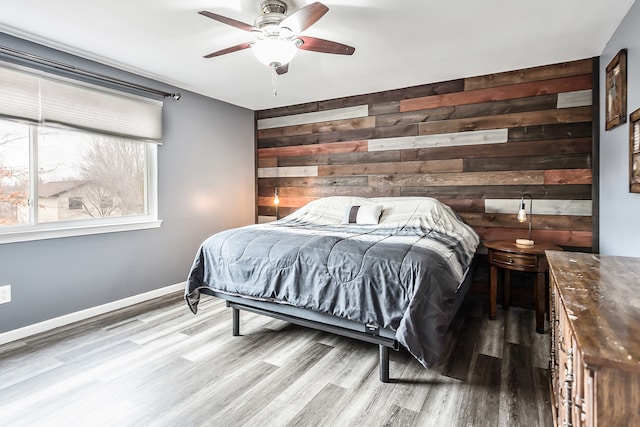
(327, 323)
(371, 336)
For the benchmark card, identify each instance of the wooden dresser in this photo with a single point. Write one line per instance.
(595, 339)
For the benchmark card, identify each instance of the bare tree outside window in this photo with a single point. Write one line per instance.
(105, 175)
(116, 169)
(14, 173)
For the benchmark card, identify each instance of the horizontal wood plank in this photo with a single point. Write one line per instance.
(541, 207)
(518, 105)
(493, 136)
(394, 131)
(546, 222)
(499, 93)
(395, 94)
(292, 171)
(288, 141)
(287, 202)
(267, 162)
(270, 211)
(577, 239)
(545, 72)
(341, 158)
(314, 117)
(464, 178)
(577, 192)
(552, 131)
(358, 135)
(547, 117)
(465, 205)
(452, 165)
(384, 108)
(355, 191)
(287, 110)
(525, 148)
(324, 181)
(321, 127)
(310, 150)
(558, 161)
(578, 98)
(567, 176)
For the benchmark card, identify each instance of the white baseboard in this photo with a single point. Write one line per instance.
(67, 319)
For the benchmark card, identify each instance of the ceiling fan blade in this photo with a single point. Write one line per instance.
(325, 46)
(235, 48)
(226, 20)
(282, 69)
(303, 18)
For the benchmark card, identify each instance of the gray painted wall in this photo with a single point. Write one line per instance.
(619, 209)
(206, 183)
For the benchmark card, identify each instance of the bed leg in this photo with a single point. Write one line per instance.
(236, 321)
(384, 363)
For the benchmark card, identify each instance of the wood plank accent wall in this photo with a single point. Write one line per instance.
(477, 144)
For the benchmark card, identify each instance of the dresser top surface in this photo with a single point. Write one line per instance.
(602, 297)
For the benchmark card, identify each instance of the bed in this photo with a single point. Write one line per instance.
(391, 271)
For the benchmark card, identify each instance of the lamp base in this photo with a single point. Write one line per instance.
(524, 242)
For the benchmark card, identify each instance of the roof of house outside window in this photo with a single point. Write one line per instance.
(55, 188)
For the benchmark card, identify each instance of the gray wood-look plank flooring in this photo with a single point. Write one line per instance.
(156, 364)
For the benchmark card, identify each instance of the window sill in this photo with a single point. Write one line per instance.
(55, 233)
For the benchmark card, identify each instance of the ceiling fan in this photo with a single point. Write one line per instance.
(277, 35)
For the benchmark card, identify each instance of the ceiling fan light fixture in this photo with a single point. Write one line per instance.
(277, 34)
(274, 51)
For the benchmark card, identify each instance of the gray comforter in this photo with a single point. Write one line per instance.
(403, 273)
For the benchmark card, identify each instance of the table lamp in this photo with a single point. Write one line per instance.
(522, 217)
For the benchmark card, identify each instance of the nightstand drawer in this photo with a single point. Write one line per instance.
(513, 260)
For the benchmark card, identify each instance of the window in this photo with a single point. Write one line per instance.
(75, 203)
(93, 169)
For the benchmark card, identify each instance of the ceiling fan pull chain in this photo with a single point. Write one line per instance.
(274, 79)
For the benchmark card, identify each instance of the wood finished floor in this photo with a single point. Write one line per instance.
(156, 364)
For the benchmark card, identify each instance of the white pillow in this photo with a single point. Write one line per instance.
(363, 214)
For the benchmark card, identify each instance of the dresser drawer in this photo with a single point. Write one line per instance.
(513, 260)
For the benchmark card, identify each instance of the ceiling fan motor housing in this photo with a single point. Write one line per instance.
(270, 6)
(273, 13)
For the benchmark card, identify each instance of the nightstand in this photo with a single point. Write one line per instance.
(506, 255)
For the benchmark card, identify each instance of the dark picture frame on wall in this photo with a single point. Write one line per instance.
(634, 152)
(616, 91)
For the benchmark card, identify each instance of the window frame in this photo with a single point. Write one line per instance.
(83, 227)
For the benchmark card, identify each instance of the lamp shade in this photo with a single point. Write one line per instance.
(274, 51)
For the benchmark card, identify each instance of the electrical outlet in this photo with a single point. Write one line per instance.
(5, 294)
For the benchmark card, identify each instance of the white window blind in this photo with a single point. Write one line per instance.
(51, 100)
(19, 95)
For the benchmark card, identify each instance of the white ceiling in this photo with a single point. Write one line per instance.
(398, 43)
